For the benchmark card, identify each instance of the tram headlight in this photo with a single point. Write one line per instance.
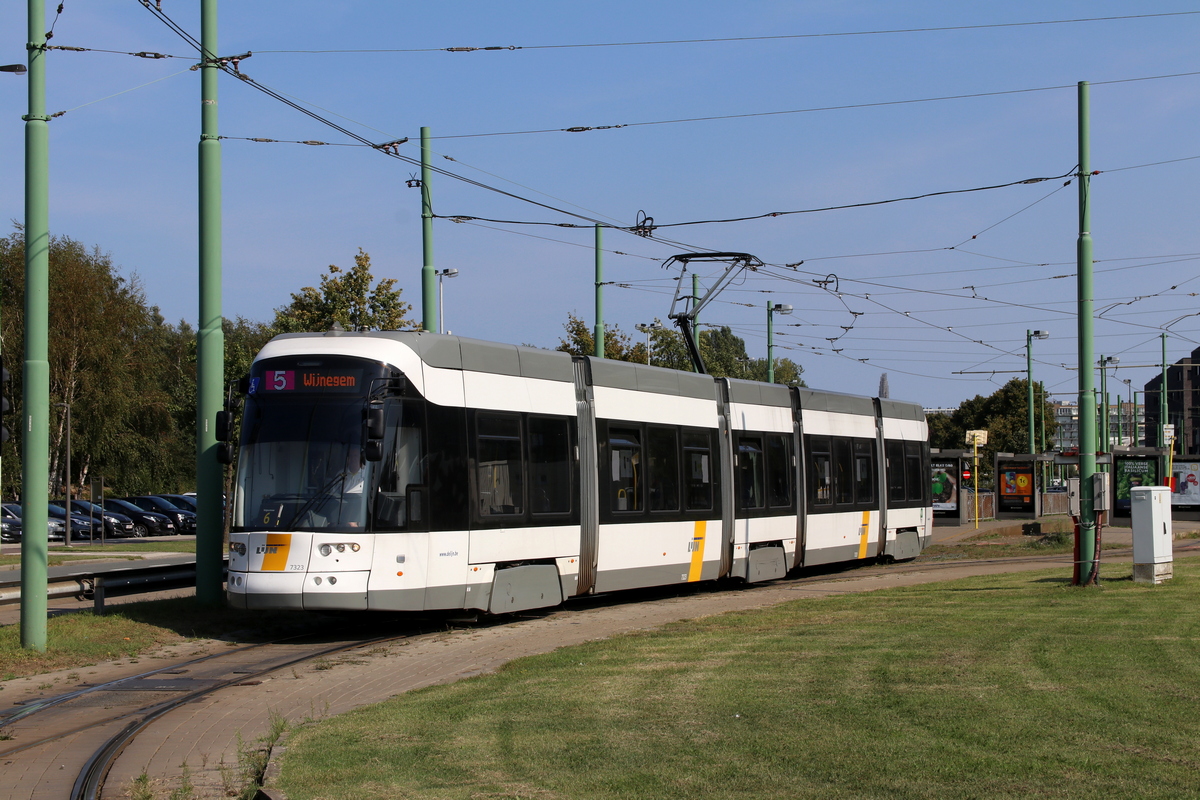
(341, 547)
(237, 547)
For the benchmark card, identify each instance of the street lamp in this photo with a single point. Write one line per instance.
(1104, 364)
(1029, 337)
(20, 69)
(772, 310)
(443, 273)
(646, 328)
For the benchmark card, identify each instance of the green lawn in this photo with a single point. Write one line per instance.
(1001, 687)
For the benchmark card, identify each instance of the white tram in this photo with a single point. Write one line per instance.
(407, 471)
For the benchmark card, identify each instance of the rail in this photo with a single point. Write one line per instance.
(114, 582)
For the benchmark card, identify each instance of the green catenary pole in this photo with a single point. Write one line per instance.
(210, 342)
(598, 337)
(696, 302)
(770, 343)
(429, 315)
(35, 433)
(1029, 381)
(1087, 357)
(1162, 399)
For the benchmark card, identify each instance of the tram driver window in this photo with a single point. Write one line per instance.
(625, 448)
(498, 467)
(403, 465)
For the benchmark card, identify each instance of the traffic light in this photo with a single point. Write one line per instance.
(6, 408)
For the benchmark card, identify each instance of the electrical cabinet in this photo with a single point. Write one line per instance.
(1150, 509)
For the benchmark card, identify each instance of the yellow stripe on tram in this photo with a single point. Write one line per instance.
(697, 551)
(864, 533)
(278, 547)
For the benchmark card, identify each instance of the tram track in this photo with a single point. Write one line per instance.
(64, 728)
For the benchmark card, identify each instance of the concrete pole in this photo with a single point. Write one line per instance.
(1029, 381)
(35, 434)
(1162, 398)
(696, 302)
(210, 343)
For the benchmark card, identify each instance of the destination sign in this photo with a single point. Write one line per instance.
(308, 380)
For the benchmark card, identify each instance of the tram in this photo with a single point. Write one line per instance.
(414, 471)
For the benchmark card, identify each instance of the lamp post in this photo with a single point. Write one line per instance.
(67, 482)
(772, 310)
(1105, 363)
(443, 273)
(646, 328)
(1029, 337)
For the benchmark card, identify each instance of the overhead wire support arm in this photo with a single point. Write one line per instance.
(685, 320)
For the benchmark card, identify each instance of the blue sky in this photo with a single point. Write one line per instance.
(123, 168)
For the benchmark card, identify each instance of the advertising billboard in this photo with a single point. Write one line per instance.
(945, 484)
(1016, 488)
(1185, 483)
(1132, 471)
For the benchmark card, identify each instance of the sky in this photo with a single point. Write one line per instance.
(784, 106)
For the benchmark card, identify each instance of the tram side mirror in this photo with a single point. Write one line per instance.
(224, 426)
(374, 450)
(374, 422)
(225, 452)
(243, 385)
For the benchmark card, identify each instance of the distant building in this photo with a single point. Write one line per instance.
(1126, 425)
(1183, 404)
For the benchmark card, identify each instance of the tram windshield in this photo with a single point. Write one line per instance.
(301, 464)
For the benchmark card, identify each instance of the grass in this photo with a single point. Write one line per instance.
(58, 559)
(1008, 686)
(1056, 539)
(133, 629)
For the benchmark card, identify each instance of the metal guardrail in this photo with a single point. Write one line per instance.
(120, 582)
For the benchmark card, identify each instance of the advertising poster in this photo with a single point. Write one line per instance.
(1131, 472)
(945, 485)
(1016, 489)
(1185, 483)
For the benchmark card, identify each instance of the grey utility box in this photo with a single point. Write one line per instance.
(1150, 508)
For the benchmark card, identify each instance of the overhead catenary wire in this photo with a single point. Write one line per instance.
(727, 39)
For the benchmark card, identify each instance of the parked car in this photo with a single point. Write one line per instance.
(145, 523)
(185, 521)
(10, 526)
(54, 527)
(114, 524)
(80, 526)
(186, 502)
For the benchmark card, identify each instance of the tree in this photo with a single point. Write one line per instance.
(1004, 414)
(724, 353)
(618, 345)
(103, 349)
(346, 297)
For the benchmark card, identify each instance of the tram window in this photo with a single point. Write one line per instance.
(697, 461)
(549, 466)
(843, 475)
(403, 465)
(913, 469)
(498, 469)
(663, 473)
(895, 472)
(625, 446)
(779, 471)
(820, 477)
(864, 472)
(750, 469)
